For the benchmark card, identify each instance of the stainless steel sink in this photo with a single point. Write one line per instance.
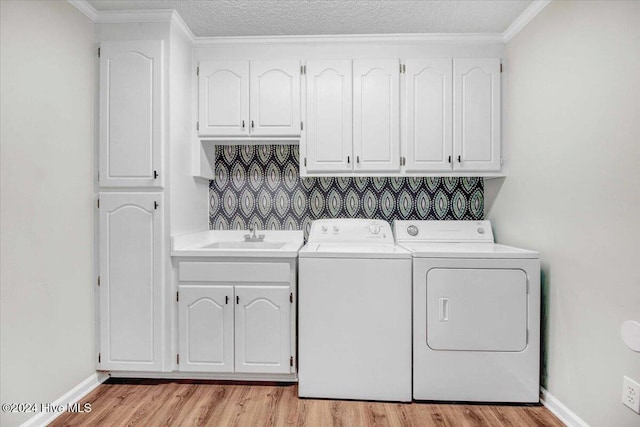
(244, 245)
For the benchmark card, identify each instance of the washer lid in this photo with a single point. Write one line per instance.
(466, 250)
(345, 250)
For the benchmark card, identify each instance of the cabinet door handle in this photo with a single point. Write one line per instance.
(243, 124)
(155, 174)
(348, 159)
(252, 126)
(358, 159)
(237, 299)
(226, 299)
(449, 159)
(459, 159)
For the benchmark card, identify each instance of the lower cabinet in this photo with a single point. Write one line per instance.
(130, 281)
(206, 328)
(236, 328)
(263, 334)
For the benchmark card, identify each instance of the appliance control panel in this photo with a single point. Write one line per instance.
(350, 230)
(443, 231)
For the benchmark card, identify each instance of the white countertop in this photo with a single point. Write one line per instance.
(277, 244)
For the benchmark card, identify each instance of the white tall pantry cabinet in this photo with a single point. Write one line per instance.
(131, 222)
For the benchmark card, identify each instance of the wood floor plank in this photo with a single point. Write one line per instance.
(208, 403)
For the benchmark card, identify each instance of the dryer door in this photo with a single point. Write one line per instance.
(476, 309)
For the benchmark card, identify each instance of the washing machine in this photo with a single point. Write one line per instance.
(354, 312)
(476, 313)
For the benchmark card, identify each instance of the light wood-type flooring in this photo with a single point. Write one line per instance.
(202, 403)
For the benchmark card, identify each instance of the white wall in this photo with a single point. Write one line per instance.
(46, 252)
(189, 195)
(572, 138)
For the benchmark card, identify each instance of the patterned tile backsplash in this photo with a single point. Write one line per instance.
(260, 185)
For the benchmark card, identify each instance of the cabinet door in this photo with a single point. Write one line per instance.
(476, 114)
(376, 115)
(275, 98)
(263, 329)
(329, 143)
(131, 281)
(130, 118)
(205, 326)
(428, 143)
(223, 98)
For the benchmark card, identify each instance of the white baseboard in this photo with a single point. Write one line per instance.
(557, 408)
(220, 376)
(72, 396)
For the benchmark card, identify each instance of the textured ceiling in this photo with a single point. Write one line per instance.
(209, 18)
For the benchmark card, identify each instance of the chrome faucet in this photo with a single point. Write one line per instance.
(252, 236)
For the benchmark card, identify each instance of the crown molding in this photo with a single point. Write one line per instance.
(85, 8)
(170, 15)
(525, 17)
(182, 26)
(353, 39)
(157, 15)
(119, 16)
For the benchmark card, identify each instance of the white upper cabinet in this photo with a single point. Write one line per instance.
(476, 114)
(130, 114)
(427, 142)
(376, 115)
(131, 281)
(329, 141)
(249, 98)
(275, 98)
(223, 98)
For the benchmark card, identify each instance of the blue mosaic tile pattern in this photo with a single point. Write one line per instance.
(260, 185)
